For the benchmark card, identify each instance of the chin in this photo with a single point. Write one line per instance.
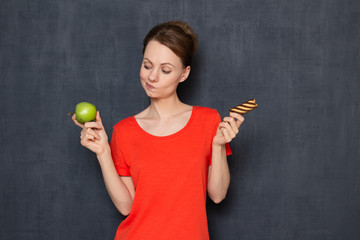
(148, 93)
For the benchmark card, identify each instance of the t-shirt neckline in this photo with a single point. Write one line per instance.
(187, 125)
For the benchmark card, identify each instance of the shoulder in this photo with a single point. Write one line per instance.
(126, 123)
(206, 120)
(125, 129)
(207, 116)
(207, 112)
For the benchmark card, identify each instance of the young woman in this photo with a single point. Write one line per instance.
(160, 163)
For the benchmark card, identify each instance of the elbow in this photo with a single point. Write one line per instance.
(217, 199)
(124, 212)
(124, 209)
(218, 194)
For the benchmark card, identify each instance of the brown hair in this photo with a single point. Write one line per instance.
(176, 35)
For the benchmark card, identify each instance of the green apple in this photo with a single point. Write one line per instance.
(85, 112)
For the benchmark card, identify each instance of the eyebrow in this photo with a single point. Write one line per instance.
(160, 64)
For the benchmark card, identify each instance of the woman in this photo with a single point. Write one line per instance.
(161, 162)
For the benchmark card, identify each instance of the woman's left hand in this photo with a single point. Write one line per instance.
(228, 129)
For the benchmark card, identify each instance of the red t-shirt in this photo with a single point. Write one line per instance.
(170, 177)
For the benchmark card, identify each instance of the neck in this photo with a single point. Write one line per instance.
(167, 107)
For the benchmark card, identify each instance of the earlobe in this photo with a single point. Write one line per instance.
(185, 74)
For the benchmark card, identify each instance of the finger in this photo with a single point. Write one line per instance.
(94, 133)
(98, 119)
(226, 134)
(232, 123)
(76, 121)
(89, 134)
(92, 125)
(229, 129)
(85, 135)
(225, 128)
(92, 146)
(240, 119)
(84, 142)
(89, 137)
(89, 144)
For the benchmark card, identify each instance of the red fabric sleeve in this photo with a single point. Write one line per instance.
(217, 121)
(122, 168)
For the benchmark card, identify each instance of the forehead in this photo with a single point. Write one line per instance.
(158, 53)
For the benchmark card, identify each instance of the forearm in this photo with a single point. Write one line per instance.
(118, 191)
(219, 174)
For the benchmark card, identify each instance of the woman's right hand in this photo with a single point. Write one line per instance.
(93, 135)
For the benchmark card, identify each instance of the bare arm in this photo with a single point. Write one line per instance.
(219, 174)
(121, 189)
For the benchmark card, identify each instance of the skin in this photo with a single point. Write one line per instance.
(160, 73)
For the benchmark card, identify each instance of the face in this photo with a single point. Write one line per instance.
(161, 71)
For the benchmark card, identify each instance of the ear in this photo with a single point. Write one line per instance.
(185, 74)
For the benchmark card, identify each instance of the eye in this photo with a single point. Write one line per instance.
(147, 67)
(165, 71)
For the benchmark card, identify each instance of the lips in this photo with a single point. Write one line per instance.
(150, 87)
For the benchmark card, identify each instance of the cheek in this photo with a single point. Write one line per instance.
(142, 74)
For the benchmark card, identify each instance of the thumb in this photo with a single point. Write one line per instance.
(98, 119)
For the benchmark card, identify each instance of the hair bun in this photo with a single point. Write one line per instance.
(188, 31)
(176, 35)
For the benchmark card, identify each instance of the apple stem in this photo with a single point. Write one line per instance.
(70, 113)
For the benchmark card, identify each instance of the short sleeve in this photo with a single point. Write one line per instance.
(122, 168)
(215, 126)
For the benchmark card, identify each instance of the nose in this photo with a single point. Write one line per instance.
(153, 76)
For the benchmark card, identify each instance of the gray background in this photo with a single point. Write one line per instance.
(295, 165)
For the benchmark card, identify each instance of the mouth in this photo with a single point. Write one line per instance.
(150, 87)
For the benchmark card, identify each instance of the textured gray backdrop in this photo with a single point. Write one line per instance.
(295, 168)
